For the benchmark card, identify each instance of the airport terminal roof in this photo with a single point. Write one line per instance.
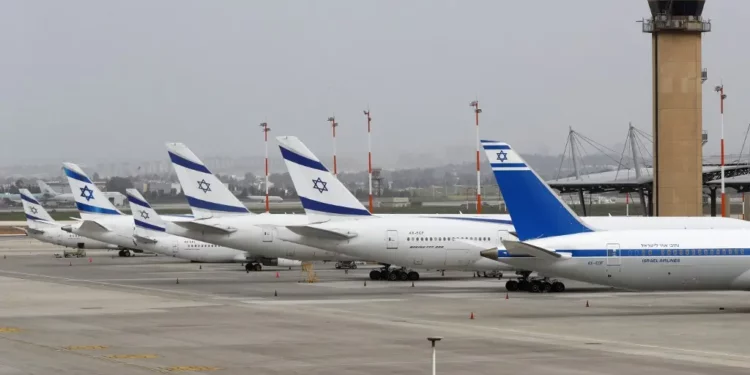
(626, 180)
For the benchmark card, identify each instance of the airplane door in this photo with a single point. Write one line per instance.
(391, 239)
(613, 257)
(267, 235)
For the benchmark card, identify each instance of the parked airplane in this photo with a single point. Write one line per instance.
(150, 235)
(43, 227)
(555, 242)
(338, 221)
(221, 219)
(100, 219)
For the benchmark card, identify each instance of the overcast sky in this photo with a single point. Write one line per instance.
(101, 80)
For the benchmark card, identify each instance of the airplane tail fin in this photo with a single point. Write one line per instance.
(206, 194)
(535, 209)
(90, 201)
(34, 211)
(323, 196)
(144, 216)
(46, 189)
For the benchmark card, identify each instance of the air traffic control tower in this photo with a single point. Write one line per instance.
(676, 27)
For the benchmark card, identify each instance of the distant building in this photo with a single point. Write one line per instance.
(393, 202)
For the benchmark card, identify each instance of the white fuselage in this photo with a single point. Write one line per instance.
(414, 243)
(192, 250)
(258, 235)
(648, 259)
(54, 235)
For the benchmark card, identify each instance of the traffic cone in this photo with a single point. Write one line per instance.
(90, 260)
(506, 295)
(365, 282)
(70, 264)
(412, 284)
(200, 267)
(178, 281)
(275, 293)
(346, 272)
(587, 303)
(277, 274)
(471, 316)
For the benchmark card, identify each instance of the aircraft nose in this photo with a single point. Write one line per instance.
(490, 254)
(67, 228)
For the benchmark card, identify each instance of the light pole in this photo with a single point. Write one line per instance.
(434, 339)
(477, 111)
(266, 129)
(334, 125)
(369, 157)
(722, 96)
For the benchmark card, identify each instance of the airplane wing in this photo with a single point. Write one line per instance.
(146, 239)
(30, 230)
(522, 248)
(93, 226)
(205, 227)
(328, 234)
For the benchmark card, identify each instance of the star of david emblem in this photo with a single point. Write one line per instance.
(144, 214)
(502, 156)
(33, 210)
(320, 185)
(204, 186)
(87, 193)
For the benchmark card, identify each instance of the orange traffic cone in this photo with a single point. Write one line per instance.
(70, 264)
(277, 274)
(587, 303)
(89, 260)
(506, 295)
(471, 316)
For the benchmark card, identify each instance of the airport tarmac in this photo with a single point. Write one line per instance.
(115, 315)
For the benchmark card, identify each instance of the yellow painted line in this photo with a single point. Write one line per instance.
(86, 347)
(132, 356)
(9, 330)
(192, 368)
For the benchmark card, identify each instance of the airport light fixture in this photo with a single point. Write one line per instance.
(334, 125)
(266, 129)
(434, 339)
(369, 156)
(477, 111)
(720, 89)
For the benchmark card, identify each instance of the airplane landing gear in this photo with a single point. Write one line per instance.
(125, 253)
(401, 274)
(534, 284)
(253, 266)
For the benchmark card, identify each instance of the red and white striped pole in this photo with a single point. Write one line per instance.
(334, 125)
(369, 157)
(720, 90)
(266, 129)
(477, 111)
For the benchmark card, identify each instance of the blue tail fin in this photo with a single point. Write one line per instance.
(535, 209)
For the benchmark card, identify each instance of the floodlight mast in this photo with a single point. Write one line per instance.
(477, 111)
(266, 129)
(369, 156)
(334, 125)
(720, 89)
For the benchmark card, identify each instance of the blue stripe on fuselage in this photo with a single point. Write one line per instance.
(642, 253)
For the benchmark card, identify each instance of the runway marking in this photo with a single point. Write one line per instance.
(320, 301)
(132, 356)
(86, 347)
(9, 330)
(192, 368)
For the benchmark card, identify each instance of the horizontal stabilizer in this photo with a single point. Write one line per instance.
(521, 248)
(144, 239)
(205, 227)
(93, 226)
(30, 230)
(329, 234)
